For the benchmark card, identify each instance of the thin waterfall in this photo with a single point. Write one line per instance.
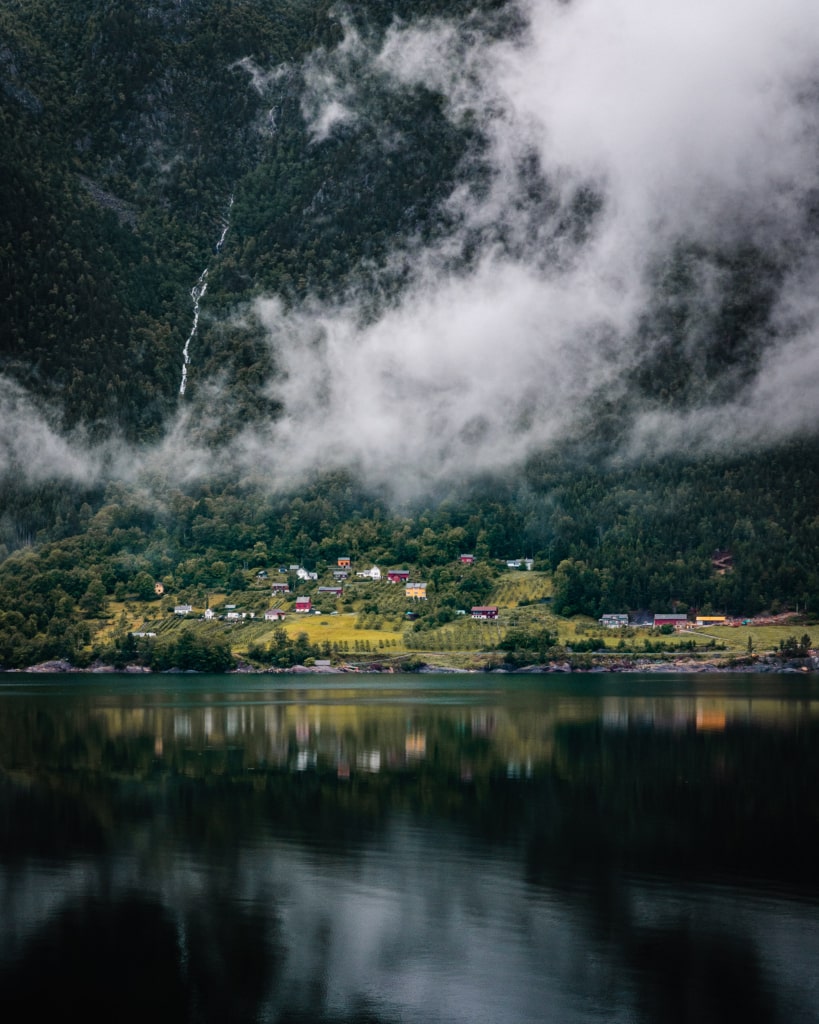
(197, 294)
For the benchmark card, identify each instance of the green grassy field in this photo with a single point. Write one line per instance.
(377, 625)
(517, 586)
(340, 629)
(763, 638)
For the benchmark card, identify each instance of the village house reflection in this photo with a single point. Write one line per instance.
(343, 732)
(497, 842)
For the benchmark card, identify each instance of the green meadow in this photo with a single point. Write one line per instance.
(372, 622)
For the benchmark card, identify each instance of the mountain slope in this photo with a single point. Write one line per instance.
(541, 273)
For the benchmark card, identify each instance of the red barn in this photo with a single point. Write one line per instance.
(675, 619)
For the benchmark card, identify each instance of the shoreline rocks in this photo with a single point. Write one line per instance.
(683, 666)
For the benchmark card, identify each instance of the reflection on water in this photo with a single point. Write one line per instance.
(431, 849)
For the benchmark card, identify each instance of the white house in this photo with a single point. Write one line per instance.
(183, 609)
(209, 614)
(303, 574)
(370, 574)
(519, 563)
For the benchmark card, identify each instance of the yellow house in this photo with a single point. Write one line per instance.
(711, 620)
(416, 590)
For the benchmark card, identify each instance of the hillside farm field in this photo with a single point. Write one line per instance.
(342, 629)
(371, 624)
(763, 638)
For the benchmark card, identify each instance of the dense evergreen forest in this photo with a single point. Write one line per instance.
(144, 144)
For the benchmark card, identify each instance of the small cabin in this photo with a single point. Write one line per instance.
(485, 612)
(467, 559)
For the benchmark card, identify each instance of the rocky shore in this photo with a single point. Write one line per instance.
(763, 664)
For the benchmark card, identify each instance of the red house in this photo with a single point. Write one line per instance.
(397, 575)
(489, 611)
(467, 559)
(672, 619)
(303, 604)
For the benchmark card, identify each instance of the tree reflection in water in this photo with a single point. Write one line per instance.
(514, 854)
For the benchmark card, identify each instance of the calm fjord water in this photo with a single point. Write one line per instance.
(409, 848)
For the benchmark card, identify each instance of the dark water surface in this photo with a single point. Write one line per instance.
(409, 848)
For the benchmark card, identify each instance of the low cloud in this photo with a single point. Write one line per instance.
(33, 450)
(691, 126)
(465, 374)
(332, 83)
(682, 127)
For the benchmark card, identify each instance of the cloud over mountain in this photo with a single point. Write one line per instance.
(686, 129)
(633, 226)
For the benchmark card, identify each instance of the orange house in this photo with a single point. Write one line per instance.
(344, 563)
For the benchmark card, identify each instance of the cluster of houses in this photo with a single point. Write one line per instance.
(414, 590)
(231, 613)
(677, 620)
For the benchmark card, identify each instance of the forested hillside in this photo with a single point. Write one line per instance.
(461, 286)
